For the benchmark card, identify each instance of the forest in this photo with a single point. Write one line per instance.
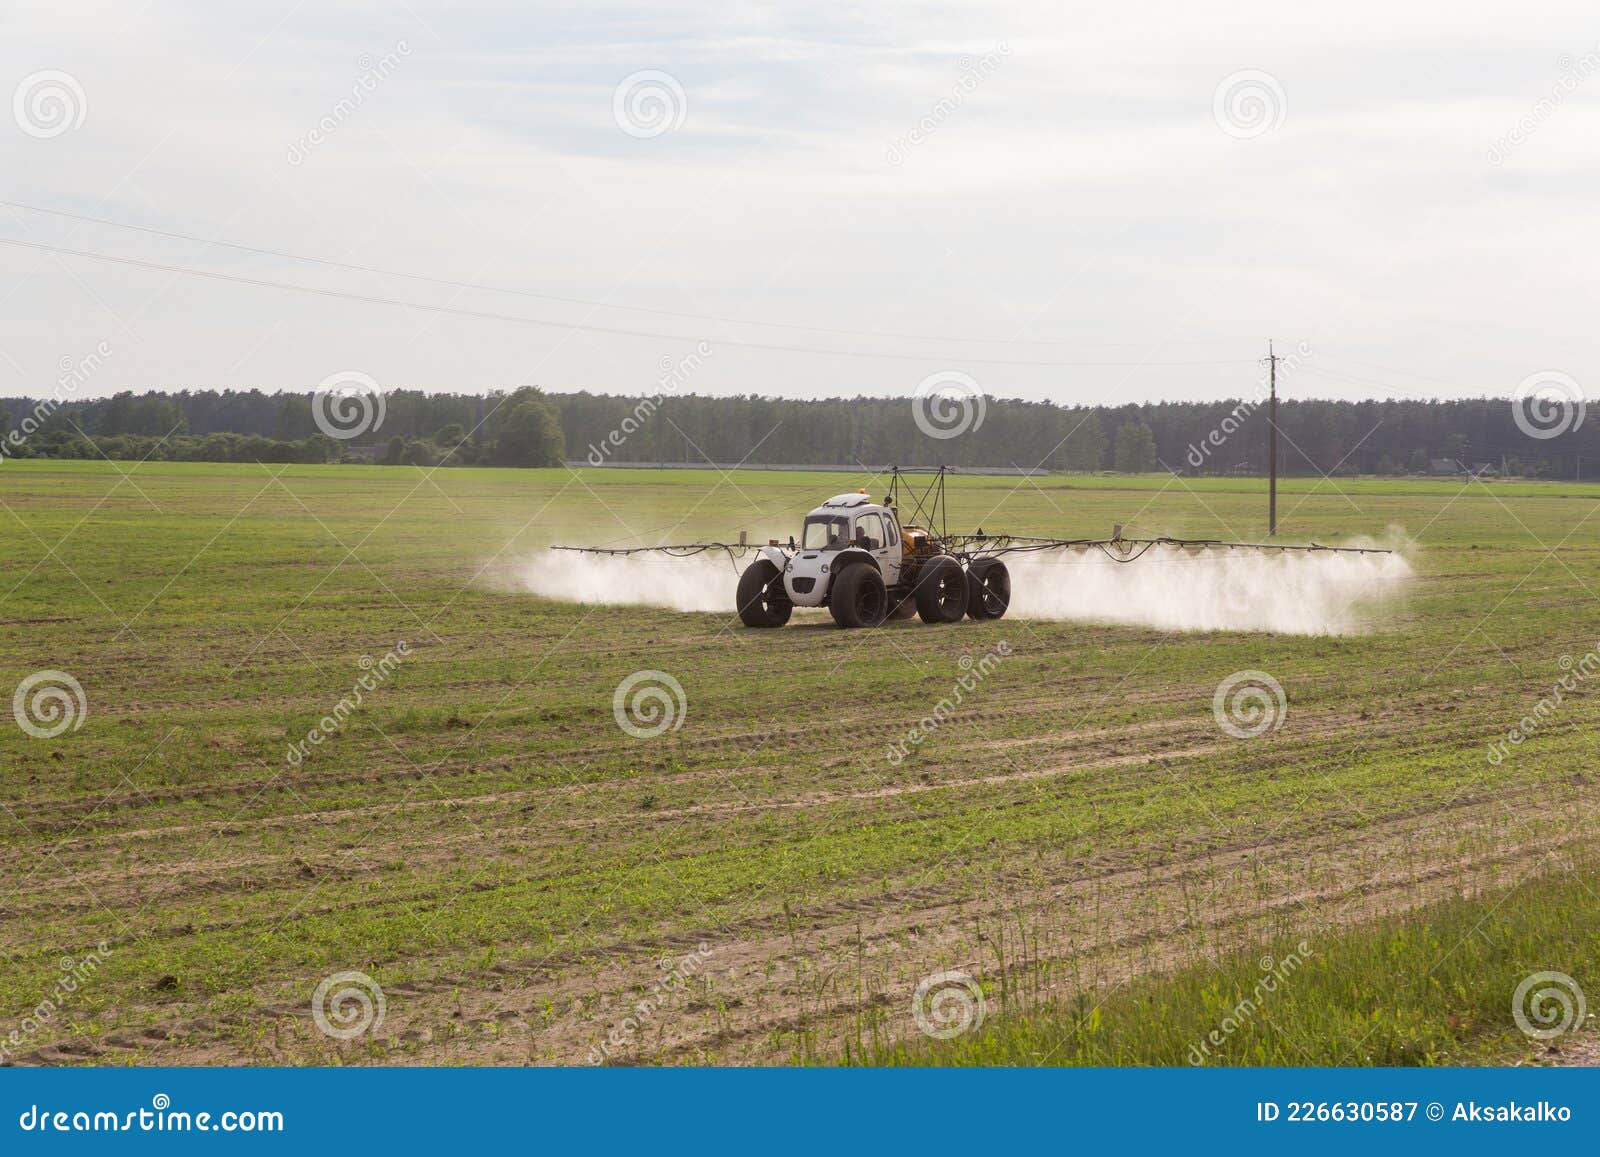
(529, 427)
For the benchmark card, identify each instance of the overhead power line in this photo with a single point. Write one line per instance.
(482, 287)
(1336, 376)
(582, 326)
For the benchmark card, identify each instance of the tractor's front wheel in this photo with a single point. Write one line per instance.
(988, 589)
(941, 590)
(762, 600)
(858, 598)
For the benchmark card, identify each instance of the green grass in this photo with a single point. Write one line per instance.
(1432, 987)
(481, 825)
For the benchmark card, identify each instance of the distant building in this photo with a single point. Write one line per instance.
(1445, 466)
(367, 454)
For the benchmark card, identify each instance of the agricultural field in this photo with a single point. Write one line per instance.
(478, 864)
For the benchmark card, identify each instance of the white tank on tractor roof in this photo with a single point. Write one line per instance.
(852, 499)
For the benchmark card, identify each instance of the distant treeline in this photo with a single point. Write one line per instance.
(520, 428)
(530, 428)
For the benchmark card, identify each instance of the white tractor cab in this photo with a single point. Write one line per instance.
(855, 558)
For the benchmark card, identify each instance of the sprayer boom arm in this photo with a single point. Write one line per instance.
(1118, 548)
(970, 546)
(734, 550)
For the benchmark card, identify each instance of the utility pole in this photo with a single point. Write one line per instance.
(1272, 446)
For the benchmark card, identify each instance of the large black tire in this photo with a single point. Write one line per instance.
(988, 589)
(941, 590)
(762, 600)
(858, 598)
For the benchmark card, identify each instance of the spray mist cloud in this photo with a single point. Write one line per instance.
(1168, 588)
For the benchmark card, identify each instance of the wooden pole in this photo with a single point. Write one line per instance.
(1272, 448)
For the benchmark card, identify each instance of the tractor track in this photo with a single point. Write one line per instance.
(175, 882)
(291, 868)
(585, 789)
(53, 815)
(303, 870)
(931, 919)
(426, 899)
(1109, 961)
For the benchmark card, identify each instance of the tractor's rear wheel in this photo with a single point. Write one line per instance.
(858, 598)
(762, 600)
(941, 590)
(988, 589)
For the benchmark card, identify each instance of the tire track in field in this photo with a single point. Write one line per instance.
(50, 816)
(423, 850)
(423, 898)
(288, 865)
(1366, 881)
(285, 869)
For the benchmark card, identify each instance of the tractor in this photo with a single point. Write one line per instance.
(856, 558)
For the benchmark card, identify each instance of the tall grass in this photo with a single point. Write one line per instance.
(1432, 987)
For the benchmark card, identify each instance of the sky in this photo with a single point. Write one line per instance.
(1086, 204)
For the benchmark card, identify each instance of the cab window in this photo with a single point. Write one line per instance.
(824, 532)
(869, 531)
